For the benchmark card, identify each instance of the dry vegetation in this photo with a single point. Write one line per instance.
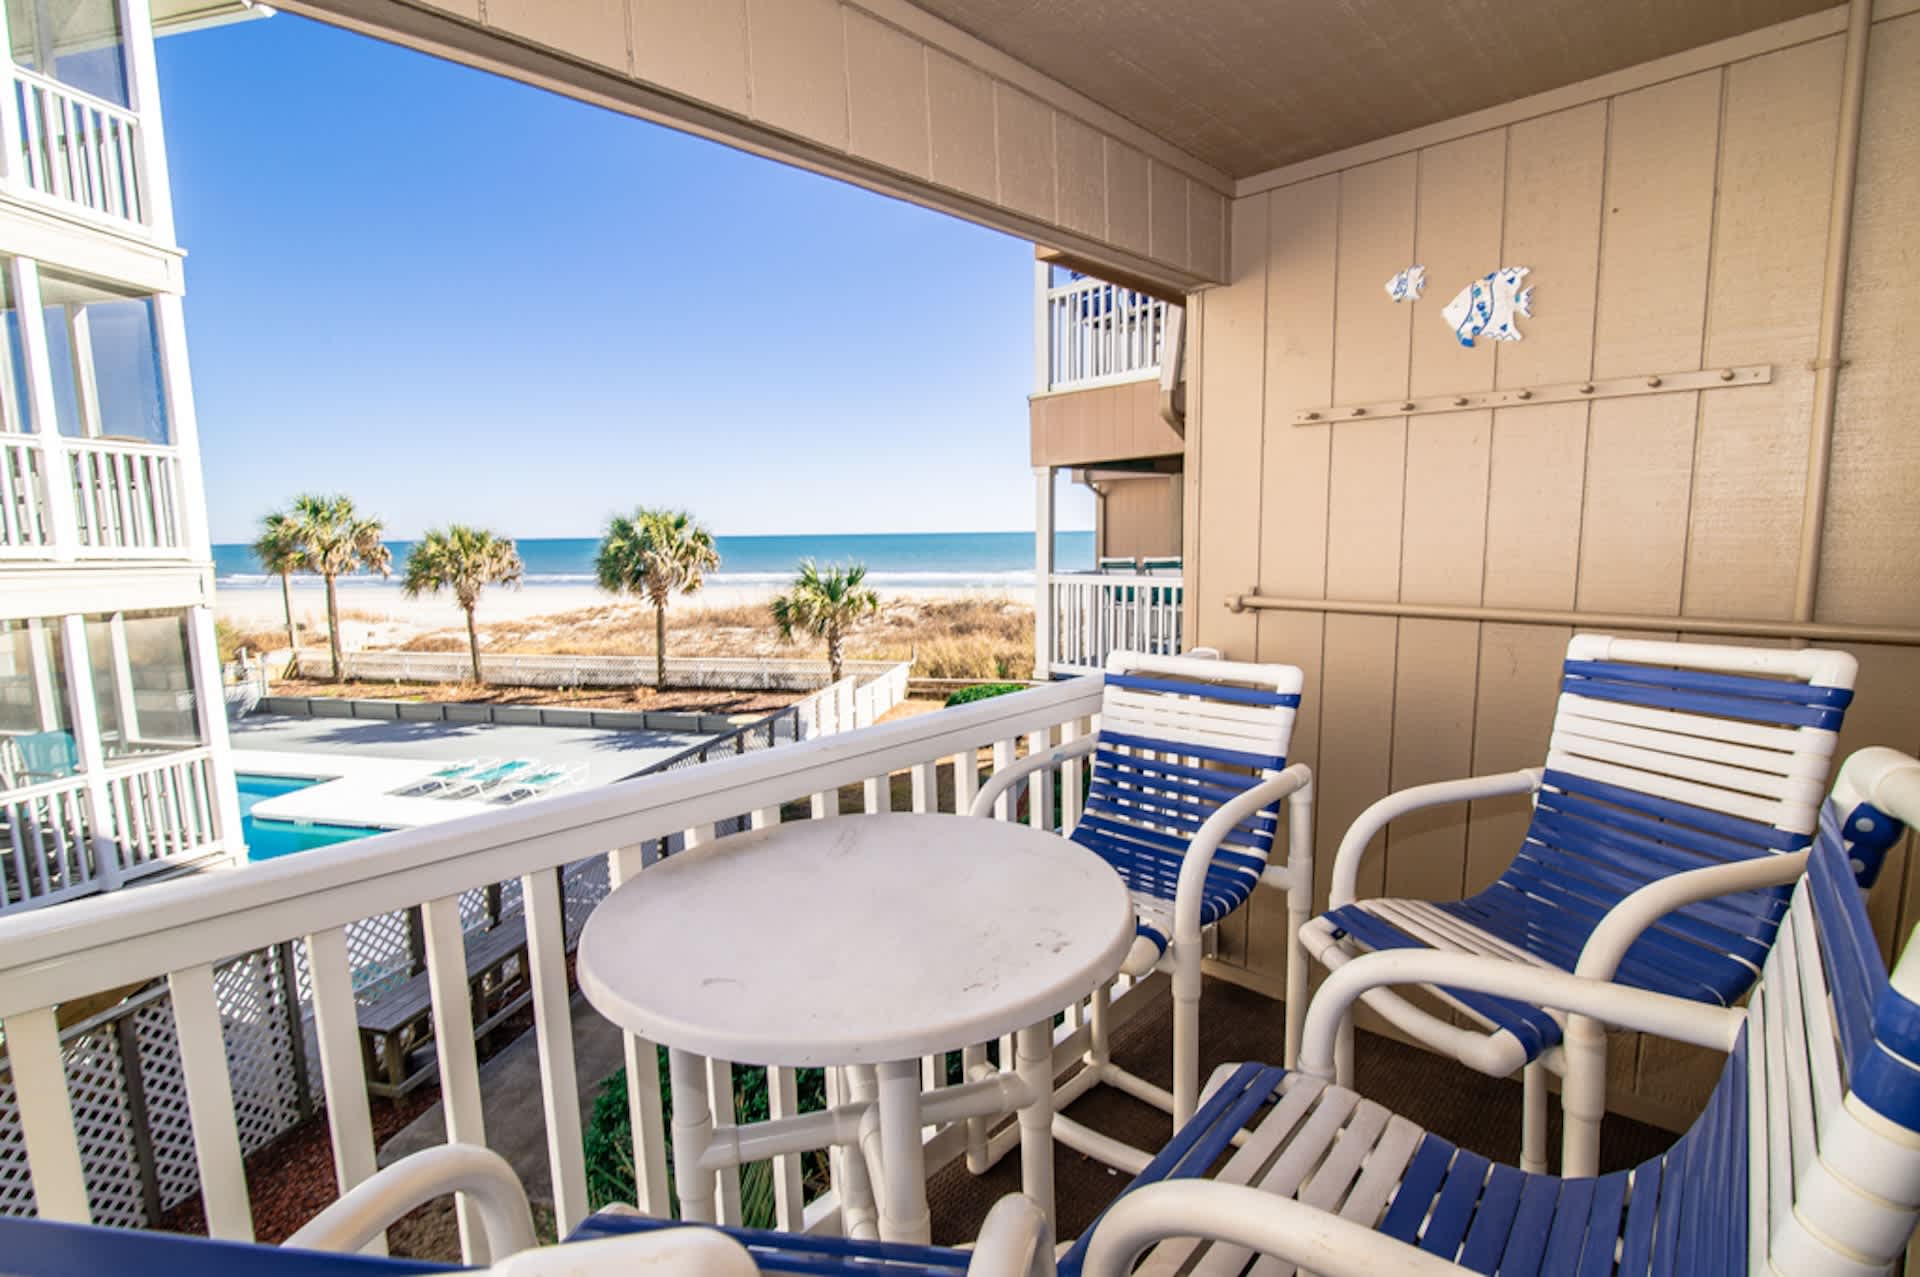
(948, 638)
(701, 700)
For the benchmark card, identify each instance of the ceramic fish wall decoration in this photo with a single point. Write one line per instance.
(1487, 307)
(1406, 286)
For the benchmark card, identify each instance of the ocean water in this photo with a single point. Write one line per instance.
(926, 560)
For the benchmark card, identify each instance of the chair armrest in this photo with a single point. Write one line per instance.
(1623, 924)
(1353, 847)
(1315, 1240)
(1295, 783)
(1679, 1018)
(1004, 779)
(1014, 1241)
(694, 1248)
(378, 1201)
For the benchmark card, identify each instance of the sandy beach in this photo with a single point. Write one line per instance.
(378, 614)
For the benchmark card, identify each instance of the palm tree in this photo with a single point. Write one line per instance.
(654, 554)
(464, 560)
(825, 605)
(279, 550)
(335, 540)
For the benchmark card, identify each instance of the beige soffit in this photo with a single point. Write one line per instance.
(1252, 85)
(170, 17)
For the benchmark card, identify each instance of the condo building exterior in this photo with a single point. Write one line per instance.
(113, 745)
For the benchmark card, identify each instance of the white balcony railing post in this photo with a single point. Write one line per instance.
(37, 369)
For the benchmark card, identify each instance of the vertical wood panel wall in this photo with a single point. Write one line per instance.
(1677, 226)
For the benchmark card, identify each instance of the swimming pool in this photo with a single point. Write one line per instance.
(268, 839)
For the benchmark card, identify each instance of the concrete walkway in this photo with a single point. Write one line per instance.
(510, 1101)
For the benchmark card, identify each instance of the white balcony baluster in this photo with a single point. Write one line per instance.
(1094, 614)
(1098, 333)
(23, 496)
(126, 498)
(78, 149)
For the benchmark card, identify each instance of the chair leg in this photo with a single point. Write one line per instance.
(1533, 1121)
(1099, 1048)
(1186, 1035)
(1343, 1052)
(1296, 979)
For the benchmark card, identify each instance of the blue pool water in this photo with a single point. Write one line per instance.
(269, 839)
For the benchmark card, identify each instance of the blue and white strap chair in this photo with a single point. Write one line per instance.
(1189, 772)
(1666, 760)
(1806, 1159)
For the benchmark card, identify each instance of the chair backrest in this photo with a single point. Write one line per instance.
(1832, 1059)
(1117, 563)
(1667, 757)
(49, 754)
(1179, 736)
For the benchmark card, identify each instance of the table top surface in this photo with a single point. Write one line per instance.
(855, 940)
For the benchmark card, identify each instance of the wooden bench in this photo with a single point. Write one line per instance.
(393, 1028)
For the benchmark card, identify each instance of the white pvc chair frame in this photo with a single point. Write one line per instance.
(1581, 1060)
(1851, 1135)
(1185, 948)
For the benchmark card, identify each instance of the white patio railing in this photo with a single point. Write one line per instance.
(48, 846)
(1099, 333)
(126, 497)
(1095, 613)
(163, 811)
(183, 930)
(23, 498)
(77, 148)
(89, 833)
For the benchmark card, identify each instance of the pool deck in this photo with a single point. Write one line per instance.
(362, 762)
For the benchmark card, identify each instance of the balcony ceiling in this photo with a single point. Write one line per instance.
(1250, 85)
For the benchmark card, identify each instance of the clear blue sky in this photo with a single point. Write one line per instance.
(456, 297)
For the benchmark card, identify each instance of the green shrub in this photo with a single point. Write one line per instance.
(983, 691)
(609, 1141)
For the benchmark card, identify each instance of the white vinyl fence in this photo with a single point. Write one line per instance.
(123, 1066)
(519, 669)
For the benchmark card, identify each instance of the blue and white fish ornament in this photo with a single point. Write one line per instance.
(1487, 307)
(1406, 286)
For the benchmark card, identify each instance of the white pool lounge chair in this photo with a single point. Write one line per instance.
(537, 784)
(444, 778)
(478, 784)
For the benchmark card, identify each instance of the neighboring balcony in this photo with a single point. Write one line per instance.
(1100, 334)
(1093, 614)
(75, 150)
(119, 499)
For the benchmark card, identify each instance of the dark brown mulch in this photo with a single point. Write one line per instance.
(291, 1180)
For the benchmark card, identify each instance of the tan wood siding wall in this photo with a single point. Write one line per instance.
(1676, 226)
(1105, 424)
(1138, 517)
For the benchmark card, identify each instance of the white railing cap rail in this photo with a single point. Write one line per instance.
(53, 955)
(1089, 576)
(66, 90)
(119, 443)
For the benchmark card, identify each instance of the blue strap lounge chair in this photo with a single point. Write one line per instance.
(1189, 771)
(1806, 1158)
(1665, 759)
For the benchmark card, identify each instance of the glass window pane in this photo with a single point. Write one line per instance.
(36, 741)
(142, 683)
(77, 42)
(126, 369)
(13, 394)
(122, 350)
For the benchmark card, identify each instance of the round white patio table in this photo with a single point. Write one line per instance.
(859, 940)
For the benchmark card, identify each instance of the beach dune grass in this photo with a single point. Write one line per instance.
(963, 638)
